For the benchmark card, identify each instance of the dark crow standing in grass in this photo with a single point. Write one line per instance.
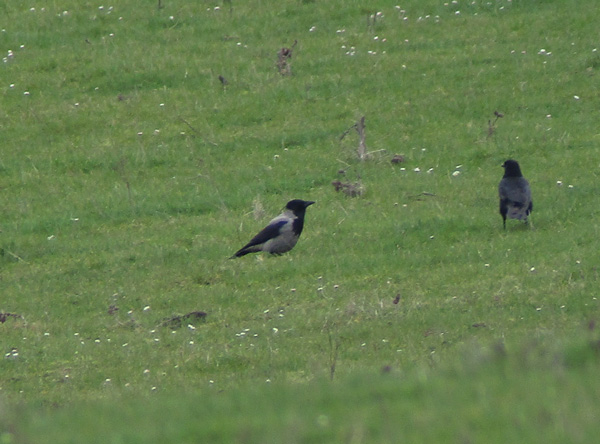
(282, 233)
(515, 195)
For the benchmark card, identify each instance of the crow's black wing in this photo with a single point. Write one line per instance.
(515, 192)
(269, 232)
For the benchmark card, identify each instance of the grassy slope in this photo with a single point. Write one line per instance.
(96, 215)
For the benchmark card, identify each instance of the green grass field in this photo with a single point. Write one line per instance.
(129, 174)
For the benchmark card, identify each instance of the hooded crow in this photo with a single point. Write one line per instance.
(282, 233)
(515, 195)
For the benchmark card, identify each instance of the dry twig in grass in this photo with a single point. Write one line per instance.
(492, 125)
(178, 321)
(5, 316)
(362, 145)
(349, 189)
(284, 63)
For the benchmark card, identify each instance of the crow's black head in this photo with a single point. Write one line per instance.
(512, 169)
(298, 206)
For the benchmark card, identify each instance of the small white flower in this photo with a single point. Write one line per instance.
(576, 97)
(559, 183)
(456, 173)
(146, 308)
(417, 170)
(312, 28)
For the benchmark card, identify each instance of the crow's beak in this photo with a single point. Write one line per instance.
(307, 203)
